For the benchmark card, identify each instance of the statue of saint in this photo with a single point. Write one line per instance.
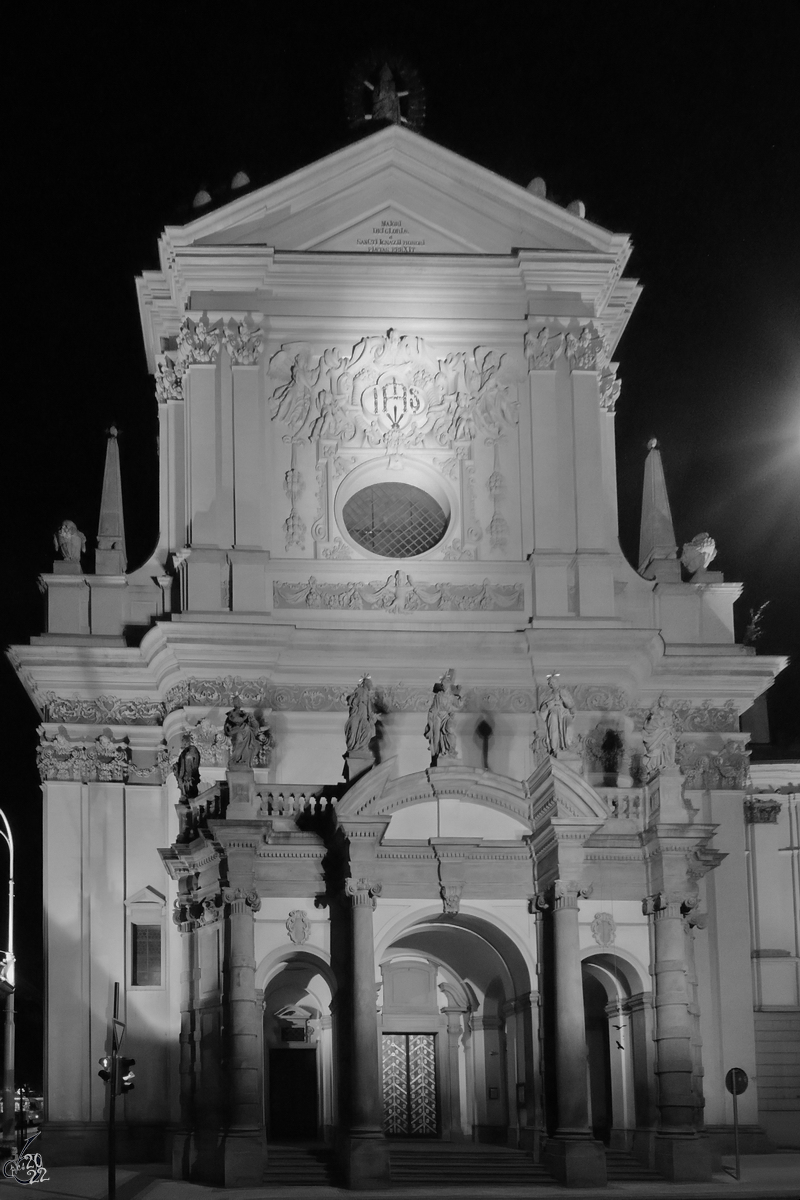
(70, 542)
(243, 730)
(659, 737)
(557, 710)
(439, 731)
(360, 727)
(187, 769)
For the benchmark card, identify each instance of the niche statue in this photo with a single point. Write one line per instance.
(439, 731)
(187, 769)
(360, 727)
(557, 711)
(243, 730)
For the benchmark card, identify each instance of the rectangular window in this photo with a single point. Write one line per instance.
(146, 955)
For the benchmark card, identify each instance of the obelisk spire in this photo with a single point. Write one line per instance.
(110, 558)
(657, 544)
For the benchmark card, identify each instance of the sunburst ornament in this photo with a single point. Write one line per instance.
(385, 89)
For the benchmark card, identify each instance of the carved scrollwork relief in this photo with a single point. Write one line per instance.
(726, 768)
(104, 710)
(399, 593)
(393, 389)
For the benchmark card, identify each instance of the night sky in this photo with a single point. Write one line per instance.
(676, 123)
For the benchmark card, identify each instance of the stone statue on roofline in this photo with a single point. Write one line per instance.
(243, 730)
(439, 730)
(359, 729)
(698, 553)
(557, 711)
(187, 769)
(660, 738)
(70, 542)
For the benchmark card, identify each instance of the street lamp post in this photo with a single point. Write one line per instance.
(8, 977)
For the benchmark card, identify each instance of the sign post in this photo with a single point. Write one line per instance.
(736, 1082)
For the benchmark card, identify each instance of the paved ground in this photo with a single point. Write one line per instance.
(764, 1176)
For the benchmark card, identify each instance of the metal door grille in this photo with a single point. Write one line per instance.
(409, 1085)
(394, 519)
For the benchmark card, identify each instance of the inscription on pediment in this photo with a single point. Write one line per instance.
(391, 232)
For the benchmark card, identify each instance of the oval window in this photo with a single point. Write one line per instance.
(395, 520)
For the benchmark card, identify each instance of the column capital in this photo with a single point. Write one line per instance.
(240, 900)
(761, 811)
(362, 891)
(561, 893)
(668, 904)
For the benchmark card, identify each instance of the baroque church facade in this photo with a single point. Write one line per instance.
(398, 802)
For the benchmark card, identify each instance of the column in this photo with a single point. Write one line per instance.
(200, 387)
(182, 1138)
(367, 1155)
(639, 1011)
(454, 1031)
(572, 1156)
(679, 1154)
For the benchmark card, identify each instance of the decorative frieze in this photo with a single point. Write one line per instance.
(399, 593)
(759, 811)
(104, 710)
(702, 718)
(590, 697)
(393, 389)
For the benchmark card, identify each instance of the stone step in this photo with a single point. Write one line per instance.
(622, 1167)
(298, 1166)
(461, 1165)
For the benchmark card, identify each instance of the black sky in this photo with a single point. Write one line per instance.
(676, 123)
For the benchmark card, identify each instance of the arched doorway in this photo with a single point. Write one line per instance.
(618, 1015)
(457, 1040)
(299, 1094)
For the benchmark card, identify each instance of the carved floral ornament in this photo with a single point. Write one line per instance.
(102, 759)
(399, 593)
(200, 342)
(761, 811)
(393, 391)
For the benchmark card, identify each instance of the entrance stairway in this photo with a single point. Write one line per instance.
(298, 1165)
(622, 1167)
(462, 1164)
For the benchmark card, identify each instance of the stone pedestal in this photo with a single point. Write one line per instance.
(243, 803)
(575, 1162)
(683, 1159)
(357, 764)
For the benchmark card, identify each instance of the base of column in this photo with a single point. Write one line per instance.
(575, 1162)
(683, 1159)
(182, 1154)
(243, 1159)
(364, 1163)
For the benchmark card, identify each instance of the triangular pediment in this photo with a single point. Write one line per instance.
(396, 192)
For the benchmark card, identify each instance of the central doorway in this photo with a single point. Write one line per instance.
(293, 1095)
(410, 1107)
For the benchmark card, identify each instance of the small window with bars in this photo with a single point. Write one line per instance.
(146, 955)
(395, 520)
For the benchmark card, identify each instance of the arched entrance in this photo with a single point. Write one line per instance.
(457, 1039)
(618, 1015)
(299, 1094)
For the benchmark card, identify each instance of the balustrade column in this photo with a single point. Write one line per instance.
(367, 1161)
(572, 1155)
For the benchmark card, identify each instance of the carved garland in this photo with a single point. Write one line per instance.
(399, 593)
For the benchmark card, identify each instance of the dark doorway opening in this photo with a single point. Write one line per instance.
(293, 1095)
(597, 1045)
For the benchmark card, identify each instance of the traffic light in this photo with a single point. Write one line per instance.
(125, 1076)
(105, 1063)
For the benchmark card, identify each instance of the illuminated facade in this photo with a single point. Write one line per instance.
(443, 753)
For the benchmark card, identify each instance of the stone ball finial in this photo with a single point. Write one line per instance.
(537, 187)
(240, 180)
(201, 198)
(577, 208)
(652, 444)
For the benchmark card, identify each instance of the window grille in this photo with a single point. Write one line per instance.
(395, 520)
(146, 955)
